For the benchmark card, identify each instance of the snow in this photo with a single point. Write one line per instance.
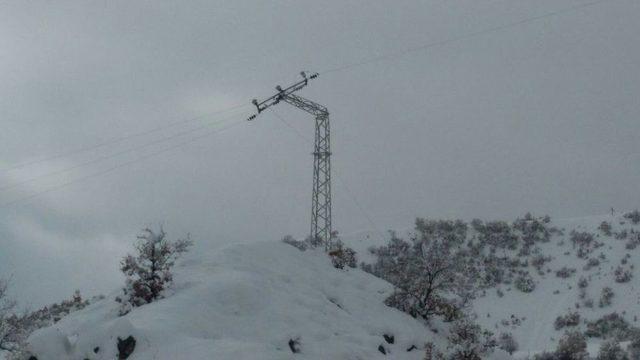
(541, 307)
(246, 302)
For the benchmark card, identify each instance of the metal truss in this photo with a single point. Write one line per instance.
(321, 194)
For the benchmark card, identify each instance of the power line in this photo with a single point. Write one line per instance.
(116, 167)
(392, 56)
(389, 56)
(119, 139)
(110, 156)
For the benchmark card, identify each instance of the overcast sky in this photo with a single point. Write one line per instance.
(540, 117)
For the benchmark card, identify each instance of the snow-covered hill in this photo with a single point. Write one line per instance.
(531, 316)
(246, 302)
(555, 296)
(250, 301)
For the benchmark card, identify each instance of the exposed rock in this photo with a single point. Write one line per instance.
(126, 347)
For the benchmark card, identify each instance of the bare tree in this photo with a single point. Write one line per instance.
(9, 330)
(431, 275)
(149, 271)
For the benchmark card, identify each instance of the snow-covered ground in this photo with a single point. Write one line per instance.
(553, 296)
(249, 301)
(246, 302)
(556, 296)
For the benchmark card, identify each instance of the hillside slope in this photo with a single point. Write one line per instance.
(246, 302)
(531, 316)
(555, 296)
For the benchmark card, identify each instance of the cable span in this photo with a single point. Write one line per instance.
(392, 56)
(116, 167)
(110, 156)
(119, 139)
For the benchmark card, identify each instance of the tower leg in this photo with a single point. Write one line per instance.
(321, 197)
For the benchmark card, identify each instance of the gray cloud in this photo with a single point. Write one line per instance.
(540, 117)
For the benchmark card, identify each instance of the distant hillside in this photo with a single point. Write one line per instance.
(603, 251)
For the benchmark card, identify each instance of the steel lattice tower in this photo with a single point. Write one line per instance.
(321, 194)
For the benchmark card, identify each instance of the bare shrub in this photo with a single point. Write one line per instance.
(300, 245)
(149, 271)
(572, 346)
(342, 256)
(634, 216)
(565, 272)
(605, 297)
(622, 275)
(610, 350)
(525, 283)
(605, 228)
(508, 343)
(569, 320)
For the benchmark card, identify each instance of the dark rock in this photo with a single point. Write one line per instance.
(294, 345)
(390, 339)
(126, 347)
(382, 349)
(413, 347)
(96, 349)
(33, 358)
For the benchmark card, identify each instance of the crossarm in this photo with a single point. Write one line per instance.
(307, 105)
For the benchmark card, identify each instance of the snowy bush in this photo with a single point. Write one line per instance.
(633, 242)
(525, 283)
(634, 216)
(467, 341)
(532, 229)
(565, 272)
(21, 325)
(493, 271)
(545, 355)
(583, 283)
(609, 326)
(572, 346)
(508, 343)
(621, 235)
(539, 260)
(497, 234)
(453, 232)
(584, 241)
(611, 350)
(622, 275)
(342, 256)
(605, 297)
(10, 329)
(290, 240)
(149, 272)
(605, 228)
(634, 347)
(568, 320)
(427, 274)
(591, 263)
(431, 352)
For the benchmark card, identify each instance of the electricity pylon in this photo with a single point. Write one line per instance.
(321, 195)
